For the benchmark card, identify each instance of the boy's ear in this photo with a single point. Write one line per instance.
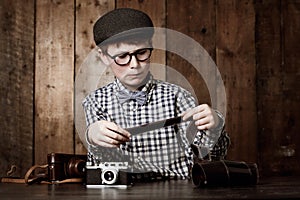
(103, 57)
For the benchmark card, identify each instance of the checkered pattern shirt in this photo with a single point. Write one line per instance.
(165, 150)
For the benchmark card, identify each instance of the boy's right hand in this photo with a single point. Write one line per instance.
(107, 134)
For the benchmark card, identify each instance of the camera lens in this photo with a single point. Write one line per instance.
(76, 168)
(109, 176)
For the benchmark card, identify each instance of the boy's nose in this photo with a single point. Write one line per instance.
(134, 62)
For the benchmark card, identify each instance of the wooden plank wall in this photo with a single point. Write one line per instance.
(253, 42)
(17, 86)
(197, 20)
(236, 60)
(278, 109)
(54, 76)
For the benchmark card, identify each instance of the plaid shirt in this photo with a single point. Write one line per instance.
(165, 150)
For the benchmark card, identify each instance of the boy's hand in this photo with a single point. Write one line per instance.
(107, 134)
(205, 118)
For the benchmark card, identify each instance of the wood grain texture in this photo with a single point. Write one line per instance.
(291, 86)
(235, 36)
(195, 19)
(87, 13)
(278, 92)
(54, 78)
(16, 89)
(269, 72)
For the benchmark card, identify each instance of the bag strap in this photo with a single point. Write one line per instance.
(37, 179)
(41, 178)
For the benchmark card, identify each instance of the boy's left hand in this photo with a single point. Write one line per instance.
(205, 118)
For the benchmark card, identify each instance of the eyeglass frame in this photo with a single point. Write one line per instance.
(131, 54)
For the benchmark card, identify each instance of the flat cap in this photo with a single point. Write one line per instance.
(121, 24)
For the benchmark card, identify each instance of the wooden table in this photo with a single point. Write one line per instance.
(268, 188)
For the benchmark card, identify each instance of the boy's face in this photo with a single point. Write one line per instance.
(132, 75)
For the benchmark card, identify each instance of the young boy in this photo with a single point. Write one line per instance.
(124, 39)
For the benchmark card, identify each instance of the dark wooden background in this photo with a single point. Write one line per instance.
(255, 44)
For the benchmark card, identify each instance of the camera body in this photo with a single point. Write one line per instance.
(108, 174)
(65, 166)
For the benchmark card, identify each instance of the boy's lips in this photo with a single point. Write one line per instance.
(134, 75)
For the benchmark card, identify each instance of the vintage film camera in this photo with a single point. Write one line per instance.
(108, 174)
(65, 166)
